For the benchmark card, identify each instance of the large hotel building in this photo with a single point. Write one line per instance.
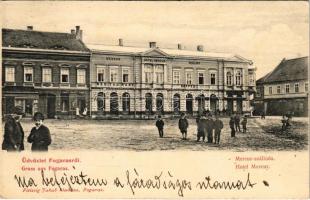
(139, 82)
(57, 74)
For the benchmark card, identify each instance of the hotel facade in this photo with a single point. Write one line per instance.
(133, 82)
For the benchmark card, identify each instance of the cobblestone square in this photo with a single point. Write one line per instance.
(142, 135)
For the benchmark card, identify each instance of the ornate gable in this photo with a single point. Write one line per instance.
(155, 52)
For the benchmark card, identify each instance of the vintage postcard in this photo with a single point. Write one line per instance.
(142, 99)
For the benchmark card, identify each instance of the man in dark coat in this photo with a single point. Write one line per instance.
(13, 131)
(237, 122)
(183, 125)
(232, 126)
(40, 136)
(209, 128)
(244, 123)
(218, 125)
(201, 128)
(160, 126)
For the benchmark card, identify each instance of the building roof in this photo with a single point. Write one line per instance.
(170, 52)
(41, 40)
(262, 79)
(288, 70)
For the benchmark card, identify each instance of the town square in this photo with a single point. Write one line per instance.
(196, 84)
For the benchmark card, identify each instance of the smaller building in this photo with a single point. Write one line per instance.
(45, 71)
(285, 89)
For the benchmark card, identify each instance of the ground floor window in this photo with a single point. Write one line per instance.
(64, 102)
(148, 102)
(100, 101)
(189, 103)
(126, 102)
(114, 103)
(159, 102)
(176, 103)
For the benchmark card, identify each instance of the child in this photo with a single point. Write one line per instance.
(160, 126)
(232, 126)
(40, 136)
(218, 125)
(244, 122)
(183, 125)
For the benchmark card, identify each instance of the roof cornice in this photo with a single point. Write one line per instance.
(44, 51)
(142, 54)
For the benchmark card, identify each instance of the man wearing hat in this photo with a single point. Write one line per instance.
(40, 136)
(13, 139)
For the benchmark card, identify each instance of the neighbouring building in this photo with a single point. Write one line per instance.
(45, 71)
(139, 82)
(285, 89)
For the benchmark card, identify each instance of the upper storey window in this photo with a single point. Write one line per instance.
(28, 74)
(9, 74)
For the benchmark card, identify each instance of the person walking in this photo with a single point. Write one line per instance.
(232, 126)
(13, 139)
(218, 126)
(40, 136)
(244, 123)
(284, 122)
(201, 129)
(183, 125)
(237, 122)
(209, 128)
(160, 126)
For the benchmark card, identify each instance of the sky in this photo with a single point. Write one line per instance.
(264, 32)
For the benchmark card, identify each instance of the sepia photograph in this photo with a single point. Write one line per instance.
(148, 77)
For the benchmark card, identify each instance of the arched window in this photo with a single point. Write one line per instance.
(114, 102)
(126, 102)
(228, 78)
(189, 103)
(238, 78)
(176, 103)
(160, 102)
(100, 102)
(148, 102)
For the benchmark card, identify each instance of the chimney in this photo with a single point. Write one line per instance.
(29, 28)
(180, 46)
(120, 42)
(152, 44)
(200, 48)
(72, 31)
(78, 33)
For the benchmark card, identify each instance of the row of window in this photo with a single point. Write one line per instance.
(201, 79)
(155, 74)
(287, 88)
(46, 75)
(113, 74)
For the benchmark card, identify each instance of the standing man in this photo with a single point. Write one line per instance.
(232, 126)
(209, 128)
(244, 122)
(237, 122)
(218, 126)
(40, 136)
(13, 131)
(201, 129)
(183, 125)
(160, 126)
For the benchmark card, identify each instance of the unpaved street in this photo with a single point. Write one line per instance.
(142, 135)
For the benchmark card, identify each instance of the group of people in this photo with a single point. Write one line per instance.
(13, 139)
(206, 126)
